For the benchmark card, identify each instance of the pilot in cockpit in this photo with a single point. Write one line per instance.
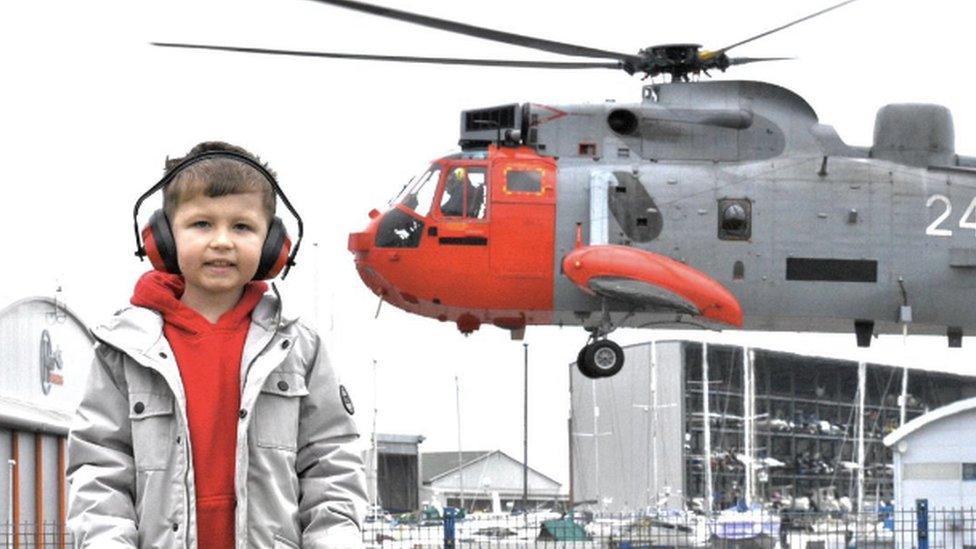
(457, 182)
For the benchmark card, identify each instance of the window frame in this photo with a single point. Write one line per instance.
(724, 234)
(538, 170)
(446, 168)
(969, 472)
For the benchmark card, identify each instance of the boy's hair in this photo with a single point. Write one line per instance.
(219, 176)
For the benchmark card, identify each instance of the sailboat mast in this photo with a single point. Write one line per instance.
(749, 411)
(596, 443)
(707, 431)
(861, 383)
(457, 407)
(376, 456)
(656, 477)
(903, 398)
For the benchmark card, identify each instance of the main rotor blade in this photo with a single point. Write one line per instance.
(481, 32)
(790, 24)
(744, 60)
(403, 59)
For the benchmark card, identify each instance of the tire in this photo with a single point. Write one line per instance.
(603, 358)
(586, 369)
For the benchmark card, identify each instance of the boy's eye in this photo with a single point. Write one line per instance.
(242, 227)
(200, 224)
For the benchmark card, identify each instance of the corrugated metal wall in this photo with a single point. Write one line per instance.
(626, 450)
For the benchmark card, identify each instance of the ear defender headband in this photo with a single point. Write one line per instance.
(157, 242)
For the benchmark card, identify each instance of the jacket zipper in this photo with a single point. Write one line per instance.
(267, 345)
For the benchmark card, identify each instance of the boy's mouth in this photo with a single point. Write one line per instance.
(218, 263)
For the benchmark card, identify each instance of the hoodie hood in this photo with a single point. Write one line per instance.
(161, 292)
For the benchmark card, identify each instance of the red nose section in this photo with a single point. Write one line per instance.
(625, 273)
(360, 242)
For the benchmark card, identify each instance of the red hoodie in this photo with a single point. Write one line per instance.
(209, 358)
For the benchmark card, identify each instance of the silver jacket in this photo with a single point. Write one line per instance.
(299, 476)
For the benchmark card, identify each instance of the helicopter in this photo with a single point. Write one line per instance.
(707, 203)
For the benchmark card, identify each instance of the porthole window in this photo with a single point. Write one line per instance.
(969, 471)
(734, 219)
(738, 271)
(523, 181)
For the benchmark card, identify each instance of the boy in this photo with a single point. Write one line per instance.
(208, 420)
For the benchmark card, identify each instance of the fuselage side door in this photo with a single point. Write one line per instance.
(458, 231)
(523, 219)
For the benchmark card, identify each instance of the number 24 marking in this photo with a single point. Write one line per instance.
(964, 222)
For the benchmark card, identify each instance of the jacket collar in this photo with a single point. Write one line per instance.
(138, 330)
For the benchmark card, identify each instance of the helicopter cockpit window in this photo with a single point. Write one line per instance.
(734, 219)
(464, 193)
(420, 195)
(398, 229)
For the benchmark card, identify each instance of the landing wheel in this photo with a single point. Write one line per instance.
(602, 358)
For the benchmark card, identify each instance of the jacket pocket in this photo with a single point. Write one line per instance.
(277, 411)
(153, 426)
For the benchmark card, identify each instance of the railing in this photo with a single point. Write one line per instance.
(755, 529)
(26, 535)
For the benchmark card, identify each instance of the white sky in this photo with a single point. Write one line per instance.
(88, 111)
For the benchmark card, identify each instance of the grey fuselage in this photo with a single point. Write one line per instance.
(834, 233)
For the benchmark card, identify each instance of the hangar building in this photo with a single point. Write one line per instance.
(44, 356)
(638, 439)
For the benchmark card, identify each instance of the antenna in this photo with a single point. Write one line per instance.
(376, 453)
(457, 407)
(58, 315)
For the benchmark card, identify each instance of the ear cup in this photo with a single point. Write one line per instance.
(274, 253)
(160, 244)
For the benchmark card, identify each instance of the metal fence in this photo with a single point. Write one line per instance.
(920, 528)
(25, 535)
(754, 529)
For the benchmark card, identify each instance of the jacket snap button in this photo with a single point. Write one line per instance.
(162, 354)
(282, 386)
(179, 440)
(139, 408)
(242, 413)
(176, 526)
(285, 344)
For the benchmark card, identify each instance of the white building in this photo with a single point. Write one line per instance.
(935, 458)
(45, 353)
(483, 477)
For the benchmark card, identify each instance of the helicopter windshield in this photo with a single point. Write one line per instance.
(420, 194)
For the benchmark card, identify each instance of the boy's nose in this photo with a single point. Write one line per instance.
(221, 239)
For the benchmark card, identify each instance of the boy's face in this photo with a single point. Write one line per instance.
(218, 241)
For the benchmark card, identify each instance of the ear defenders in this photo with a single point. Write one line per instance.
(156, 239)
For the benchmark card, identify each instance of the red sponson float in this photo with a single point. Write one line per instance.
(610, 270)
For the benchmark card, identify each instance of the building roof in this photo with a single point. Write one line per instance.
(29, 417)
(921, 421)
(57, 308)
(435, 465)
(402, 445)
(400, 439)
(921, 352)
